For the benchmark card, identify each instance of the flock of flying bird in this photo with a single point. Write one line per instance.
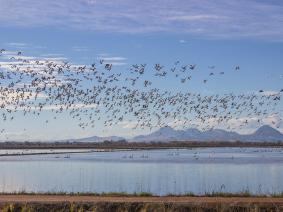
(97, 94)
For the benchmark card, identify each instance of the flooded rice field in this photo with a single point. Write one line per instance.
(161, 172)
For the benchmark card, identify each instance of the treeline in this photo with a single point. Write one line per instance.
(123, 144)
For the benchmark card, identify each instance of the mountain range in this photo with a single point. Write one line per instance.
(166, 134)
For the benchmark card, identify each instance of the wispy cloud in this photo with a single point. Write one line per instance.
(128, 124)
(80, 48)
(270, 93)
(244, 125)
(118, 61)
(59, 106)
(194, 17)
(217, 19)
(273, 120)
(16, 44)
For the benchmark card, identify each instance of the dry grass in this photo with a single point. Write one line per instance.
(148, 194)
(139, 207)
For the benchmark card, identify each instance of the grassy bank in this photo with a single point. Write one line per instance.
(147, 194)
(141, 202)
(140, 207)
(110, 194)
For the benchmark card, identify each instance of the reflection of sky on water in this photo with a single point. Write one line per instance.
(157, 171)
(36, 151)
(195, 155)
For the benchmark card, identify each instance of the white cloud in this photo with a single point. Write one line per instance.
(270, 93)
(80, 48)
(194, 17)
(240, 125)
(73, 106)
(127, 124)
(217, 19)
(113, 58)
(117, 61)
(53, 106)
(244, 125)
(16, 44)
(27, 96)
(273, 120)
(182, 41)
(52, 55)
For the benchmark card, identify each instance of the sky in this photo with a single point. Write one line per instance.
(248, 33)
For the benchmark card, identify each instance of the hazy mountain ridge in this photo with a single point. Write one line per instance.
(167, 134)
(97, 139)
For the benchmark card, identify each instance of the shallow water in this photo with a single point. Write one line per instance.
(37, 151)
(200, 170)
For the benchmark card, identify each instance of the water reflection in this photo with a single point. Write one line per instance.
(158, 171)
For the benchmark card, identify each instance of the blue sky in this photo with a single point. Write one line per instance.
(248, 33)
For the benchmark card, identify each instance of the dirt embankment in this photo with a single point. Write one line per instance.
(93, 203)
(116, 145)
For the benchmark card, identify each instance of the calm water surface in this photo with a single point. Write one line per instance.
(200, 170)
